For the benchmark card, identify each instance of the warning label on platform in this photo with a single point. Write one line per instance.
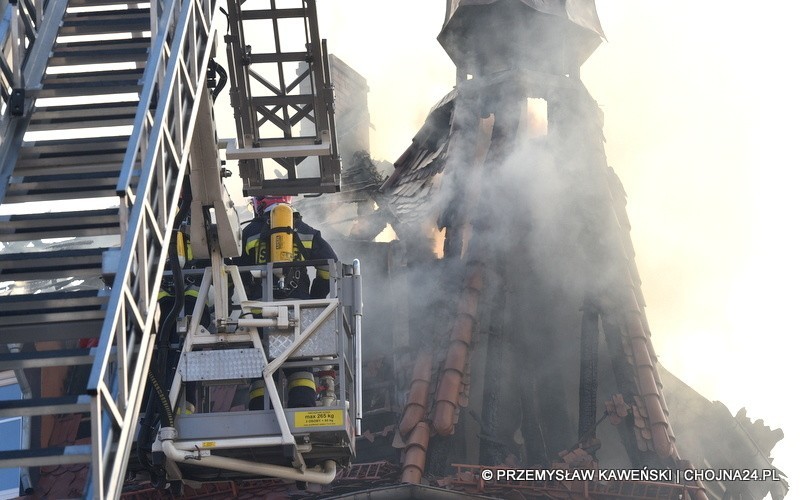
(324, 418)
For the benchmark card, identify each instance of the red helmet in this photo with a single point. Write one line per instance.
(262, 203)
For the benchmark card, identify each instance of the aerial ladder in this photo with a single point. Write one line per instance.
(106, 118)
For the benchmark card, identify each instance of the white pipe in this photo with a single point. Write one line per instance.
(359, 381)
(256, 322)
(268, 309)
(248, 442)
(358, 306)
(319, 475)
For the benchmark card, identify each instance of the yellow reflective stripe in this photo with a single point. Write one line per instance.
(322, 273)
(257, 393)
(192, 292)
(302, 382)
(251, 245)
(306, 240)
(163, 293)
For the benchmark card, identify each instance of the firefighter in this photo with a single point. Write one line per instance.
(274, 218)
(166, 301)
(307, 244)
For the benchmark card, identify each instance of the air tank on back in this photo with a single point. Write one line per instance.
(281, 240)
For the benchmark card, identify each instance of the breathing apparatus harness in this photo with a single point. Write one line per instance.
(291, 277)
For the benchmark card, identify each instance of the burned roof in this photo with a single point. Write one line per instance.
(581, 12)
(554, 34)
(407, 192)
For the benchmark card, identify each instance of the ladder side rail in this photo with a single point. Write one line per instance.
(143, 122)
(320, 77)
(6, 64)
(324, 121)
(17, 45)
(18, 32)
(357, 312)
(240, 93)
(36, 56)
(330, 165)
(351, 357)
(140, 262)
(346, 360)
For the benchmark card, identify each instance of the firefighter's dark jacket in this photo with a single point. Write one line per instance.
(308, 245)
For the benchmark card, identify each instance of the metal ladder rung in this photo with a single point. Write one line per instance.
(62, 315)
(53, 225)
(66, 187)
(96, 3)
(289, 13)
(284, 57)
(89, 77)
(80, 91)
(137, 60)
(106, 51)
(88, 28)
(71, 117)
(106, 15)
(102, 22)
(49, 325)
(44, 359)
(77, 454)
(88, 112)
(86, 122)
(301, 185)
(81, 165)
(44, 406)
(23, 305)
(55, 327)
(92, 83)
(58, 183)
(56, 264)
(69, 165)
(63, 147)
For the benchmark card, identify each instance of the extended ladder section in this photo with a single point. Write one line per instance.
(261, 351)
(283, 98)
(100, 100)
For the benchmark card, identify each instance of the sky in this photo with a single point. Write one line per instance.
(698, 100)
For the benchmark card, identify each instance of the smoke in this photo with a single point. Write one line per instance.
(538, 216)
(549, 211)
